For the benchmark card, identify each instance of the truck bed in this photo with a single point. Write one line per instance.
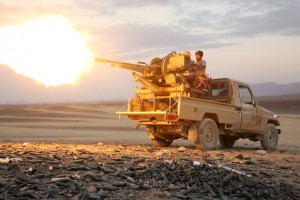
(195, 109)
(187, 108)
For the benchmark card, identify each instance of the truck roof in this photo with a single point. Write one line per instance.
(228, 79)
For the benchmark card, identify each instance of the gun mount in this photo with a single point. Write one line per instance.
(162, 80)
(161, 72)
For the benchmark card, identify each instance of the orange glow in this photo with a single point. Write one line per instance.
(49, 50)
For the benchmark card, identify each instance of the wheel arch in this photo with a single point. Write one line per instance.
(212, 116)
(272, 121)
(275, 123)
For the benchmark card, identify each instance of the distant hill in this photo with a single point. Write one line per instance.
(279, 98)
(100, 86)
(275, 89)
(283, 104)
(287, 97)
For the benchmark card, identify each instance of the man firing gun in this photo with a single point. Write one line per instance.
(200, 63)
(196, 74)
(202, 79)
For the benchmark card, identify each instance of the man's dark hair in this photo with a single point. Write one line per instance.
(199, 52)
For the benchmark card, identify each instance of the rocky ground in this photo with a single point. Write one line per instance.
(101, 171)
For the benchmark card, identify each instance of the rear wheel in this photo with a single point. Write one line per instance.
(270, 138)
(208, 134)
(227, 141)
(161, 143)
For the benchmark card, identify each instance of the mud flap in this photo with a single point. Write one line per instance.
(150, 131)
(193, 133)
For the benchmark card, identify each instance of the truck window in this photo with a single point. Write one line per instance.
(224, 89)
(245, 95)
(214, 90)
(219, 90)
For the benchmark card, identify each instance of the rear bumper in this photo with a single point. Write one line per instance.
(151, 117)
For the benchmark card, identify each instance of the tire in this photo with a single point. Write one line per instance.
(270, 138)
(208, 134)
(227, 141)
(161, 143)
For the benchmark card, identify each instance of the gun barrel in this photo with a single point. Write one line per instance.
(133, 67)
(103, 60)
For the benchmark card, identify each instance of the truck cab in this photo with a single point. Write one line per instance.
(252, 120)
(251, 116)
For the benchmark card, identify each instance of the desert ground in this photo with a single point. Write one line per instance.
(92, 123)
(79, 133)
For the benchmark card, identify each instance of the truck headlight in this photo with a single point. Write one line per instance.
(275, 116)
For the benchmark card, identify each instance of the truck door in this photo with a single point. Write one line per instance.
(251, 114)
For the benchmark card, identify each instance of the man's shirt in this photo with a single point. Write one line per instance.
(201, 63)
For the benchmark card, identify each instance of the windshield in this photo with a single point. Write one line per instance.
(245, 95)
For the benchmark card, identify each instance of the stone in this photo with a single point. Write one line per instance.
(89, 176)
(25, 144)
(181, 149)
(240, 156)
(162, 153)
(7, 160)
(145, 187)
(261, 151)
(92, 189)
(4, 160)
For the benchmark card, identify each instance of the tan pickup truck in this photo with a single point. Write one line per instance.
(171, 104)
(229, 112)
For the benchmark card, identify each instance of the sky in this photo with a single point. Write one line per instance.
(252, 41)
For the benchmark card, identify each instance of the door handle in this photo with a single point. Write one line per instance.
(238, 108)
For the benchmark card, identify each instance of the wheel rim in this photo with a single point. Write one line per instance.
(272, 137)
(209, 134)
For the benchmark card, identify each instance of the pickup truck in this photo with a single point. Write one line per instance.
(229, 112)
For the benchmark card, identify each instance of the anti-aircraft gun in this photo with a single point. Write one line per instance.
(167, 76)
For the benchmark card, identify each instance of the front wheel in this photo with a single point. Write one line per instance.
(208, 134)
(270, 138)
(161, 143)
